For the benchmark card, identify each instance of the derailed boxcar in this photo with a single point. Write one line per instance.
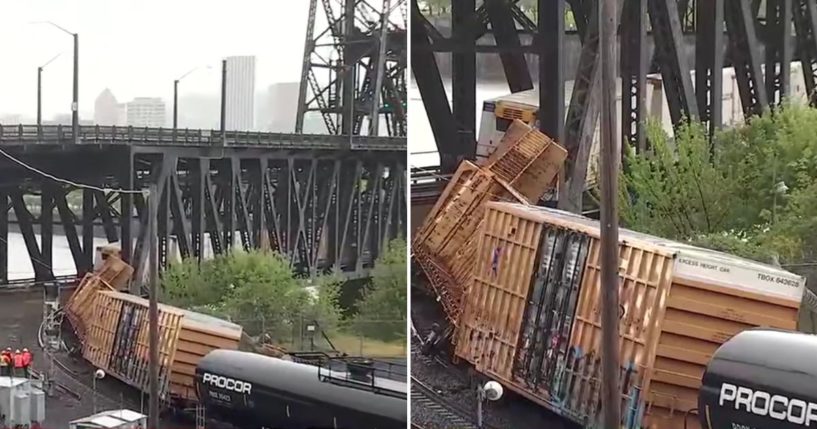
(531, 318)
(118, 339)
(523, 168)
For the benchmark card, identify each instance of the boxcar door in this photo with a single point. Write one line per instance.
(551, 308)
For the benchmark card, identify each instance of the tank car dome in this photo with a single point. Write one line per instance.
(761, 378)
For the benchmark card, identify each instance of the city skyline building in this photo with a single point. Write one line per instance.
(145, 112)
(240, 100)
(106, 109)
(277, 114)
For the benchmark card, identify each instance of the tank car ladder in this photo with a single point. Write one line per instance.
(200, 417)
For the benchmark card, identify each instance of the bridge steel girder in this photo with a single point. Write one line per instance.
(724, 36)
(344, 77)
(4, 235)
(500, 13)
(709, 61)
(464, 79)
(669, 55)
(633, 73)
(805, 23)
(322, 212)
(745, 56)
(324, 209)
(551, 72)
(435, 100)
(779, 49)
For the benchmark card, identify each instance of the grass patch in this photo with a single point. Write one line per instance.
(355, 345)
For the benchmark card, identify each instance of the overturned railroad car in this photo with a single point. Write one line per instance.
(750, 383)
(531, 318)
(251, 390)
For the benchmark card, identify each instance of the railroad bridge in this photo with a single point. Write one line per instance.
(686, 36)
(327, 202)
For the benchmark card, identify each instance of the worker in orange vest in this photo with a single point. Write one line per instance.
(5, 356)
(27, 360)
(18, 363)
(5, 364)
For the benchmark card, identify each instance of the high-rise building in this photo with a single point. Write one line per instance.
(145, 112)
(277, 114)
(240, 102)
(106, 109)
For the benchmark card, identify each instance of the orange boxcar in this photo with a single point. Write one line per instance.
(524, 167)
(531, 317)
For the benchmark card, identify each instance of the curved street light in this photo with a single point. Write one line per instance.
(75, 101)
(40, 89)
(176, 93)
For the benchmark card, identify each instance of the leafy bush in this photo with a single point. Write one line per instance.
(256, 289)
(382, 311)
(753, 193)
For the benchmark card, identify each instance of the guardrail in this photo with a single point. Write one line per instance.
(96, 134)
(60, 281)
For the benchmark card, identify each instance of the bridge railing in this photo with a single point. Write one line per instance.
(99, 134)
(59, 281)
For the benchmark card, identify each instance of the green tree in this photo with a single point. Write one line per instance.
(256, 289)
(382, 311)
(755, 195)
(677, 190)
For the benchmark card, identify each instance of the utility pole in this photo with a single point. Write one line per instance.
(175, 104)
(153, 203)
(75, 102)
(40, 91)
(611, 398)
(223, 101)
(39, 97)
(176, 95)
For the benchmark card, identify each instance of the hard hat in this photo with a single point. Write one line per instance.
(25, 350)
(17, 351)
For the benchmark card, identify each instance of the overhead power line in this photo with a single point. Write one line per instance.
(70, 183)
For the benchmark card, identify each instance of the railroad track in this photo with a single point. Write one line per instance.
(416, 353)
(446, 413)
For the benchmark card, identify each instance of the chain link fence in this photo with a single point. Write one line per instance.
(371, 338)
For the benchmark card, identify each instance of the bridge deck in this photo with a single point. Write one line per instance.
(326, 202)
(97, 135)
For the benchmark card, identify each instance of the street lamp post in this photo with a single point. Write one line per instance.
(176, 95)
(175, 104)
(40, 90)
(491, 391)
(223, 101)
(75, 100)
(98, 375)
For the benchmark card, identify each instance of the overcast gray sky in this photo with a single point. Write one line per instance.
(138, 47)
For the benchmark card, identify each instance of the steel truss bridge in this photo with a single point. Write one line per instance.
(748, 35)
(326, 202)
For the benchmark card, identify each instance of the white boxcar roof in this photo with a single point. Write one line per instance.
(691, 262)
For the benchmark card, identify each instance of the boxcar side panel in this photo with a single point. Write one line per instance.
(195, 342)
(445, 249)
(645, 277)
(496, 299)
(102, 331)
(699, 318)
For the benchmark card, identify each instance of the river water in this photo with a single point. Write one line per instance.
(20, 263)
(422, 147)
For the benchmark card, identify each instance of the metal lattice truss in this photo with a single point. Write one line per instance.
(354, 74)
(726, 33)
(325, 210)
